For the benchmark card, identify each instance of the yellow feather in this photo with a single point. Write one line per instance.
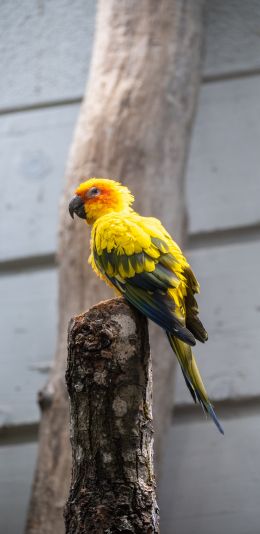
(124, 245)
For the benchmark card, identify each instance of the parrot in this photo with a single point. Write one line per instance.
(137, 257)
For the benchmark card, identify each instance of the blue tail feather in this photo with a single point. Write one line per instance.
(214, 418)
(190, 380)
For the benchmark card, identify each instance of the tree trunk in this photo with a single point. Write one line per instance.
(134, 125)
(109, 382)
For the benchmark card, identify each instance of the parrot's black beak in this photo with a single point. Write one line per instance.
(76, 205)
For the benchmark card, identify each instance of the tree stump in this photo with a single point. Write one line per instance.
(109, 380)
(134, 125)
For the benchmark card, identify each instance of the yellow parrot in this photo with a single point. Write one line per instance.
(136, 256)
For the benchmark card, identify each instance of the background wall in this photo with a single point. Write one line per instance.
(209, 483)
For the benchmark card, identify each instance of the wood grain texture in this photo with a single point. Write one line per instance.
(33, 148)
(16, 472)
(136, 43)
(223, 172)
(109, 381)
(45, 50)
(230, 310)
(27, 331)
(210, 483)
(229, 305)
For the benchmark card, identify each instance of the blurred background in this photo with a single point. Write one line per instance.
(209, 484)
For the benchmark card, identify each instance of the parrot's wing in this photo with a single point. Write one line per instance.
(177, 262)
(151, 280)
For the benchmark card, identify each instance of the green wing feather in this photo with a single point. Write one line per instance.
(147, 290)
(159, 282)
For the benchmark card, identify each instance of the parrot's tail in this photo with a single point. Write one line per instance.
(192, 377)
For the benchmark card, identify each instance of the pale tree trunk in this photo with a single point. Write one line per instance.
(109, 382)
(134, 125)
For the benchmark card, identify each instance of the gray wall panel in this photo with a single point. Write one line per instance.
(210, 483)
(16, 473)
(28, 331)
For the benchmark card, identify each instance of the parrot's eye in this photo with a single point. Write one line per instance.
(93, 192)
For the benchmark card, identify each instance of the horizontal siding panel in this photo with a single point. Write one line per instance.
(210, 483)
(45, 50)
(32, 32)
(229, 304)
(233, 37)
(33, 152)
(230, 309)
(16, 472)
(223, 185)
(27, 330)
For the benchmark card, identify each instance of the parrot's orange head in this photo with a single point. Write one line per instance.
(98, 196)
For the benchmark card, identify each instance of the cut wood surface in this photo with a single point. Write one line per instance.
(136, 44)
(229, 306)
(223, 171)
(109, 380)
(227, 361)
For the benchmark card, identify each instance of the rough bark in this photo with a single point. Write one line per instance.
(134, 125)
(109, 382)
